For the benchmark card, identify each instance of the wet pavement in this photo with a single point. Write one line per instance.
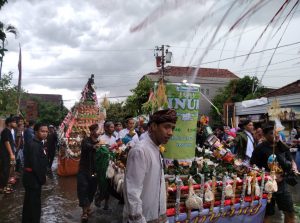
(60, 205)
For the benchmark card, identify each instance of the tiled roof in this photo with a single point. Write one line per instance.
(202, 72)
(292, 88)
(54, 98)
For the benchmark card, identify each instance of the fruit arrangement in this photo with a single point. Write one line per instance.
(75, 126)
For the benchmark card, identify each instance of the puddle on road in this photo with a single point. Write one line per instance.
(59, 204)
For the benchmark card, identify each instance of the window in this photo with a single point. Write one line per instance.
(202, 90)
(207, 91)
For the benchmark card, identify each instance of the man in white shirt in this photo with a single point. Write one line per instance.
(245, 141)
(118, 129)
(130, 130)
(144, 183)
(108, 138)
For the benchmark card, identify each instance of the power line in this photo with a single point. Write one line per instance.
(279, 62)
(277, 69)
(120, 96)
(255, 52)
(89, 50)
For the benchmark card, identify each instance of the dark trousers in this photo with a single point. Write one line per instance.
(32, 205)
(86, 188)
(4, 170)
(50, 156)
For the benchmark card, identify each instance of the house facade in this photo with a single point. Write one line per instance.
(288, 98)
(211, 80)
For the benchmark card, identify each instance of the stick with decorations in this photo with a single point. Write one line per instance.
(178, 194)
(223, 194)
(253, 189)
(262, 185)
(201, 192)
(233, 193)
(213, 192)
(242, 201)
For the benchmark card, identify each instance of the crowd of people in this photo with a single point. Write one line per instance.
(255, 145)
(29, 149)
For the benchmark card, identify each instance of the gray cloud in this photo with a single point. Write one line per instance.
(63, 43)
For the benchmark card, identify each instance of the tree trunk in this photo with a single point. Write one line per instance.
(1, 60)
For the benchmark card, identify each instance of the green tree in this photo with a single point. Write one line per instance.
(4, 30)
(50, 113)
(8, 96)
(116, 112)
(2, 2)
(237, 90)
(140, 95)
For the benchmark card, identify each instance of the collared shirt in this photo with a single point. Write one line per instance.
(144, 184)
(250, 144)
(117, 134)
(108, 140)
(135, 138)
(143, 135)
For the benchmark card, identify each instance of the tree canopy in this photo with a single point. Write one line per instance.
(117, 112)
(237, 90)
(8, 96)
(140, 95)
(133, 104)
(50, 113)
(2, 2)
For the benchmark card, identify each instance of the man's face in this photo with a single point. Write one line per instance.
(51, 130)
(162, 132)
(270, 136)
(95, 133)
(13, 124)
(259, 131)
(110, 129)
(42, 133)
(226, 130)
(118, 127)
(130, 124)
(249, 127)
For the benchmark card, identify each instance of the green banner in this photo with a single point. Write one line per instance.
(184, 98)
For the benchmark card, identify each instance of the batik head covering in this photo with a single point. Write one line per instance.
(162, 116)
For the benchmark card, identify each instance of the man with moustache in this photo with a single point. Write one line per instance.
(35, 169)
(144, 183)
(86, 177)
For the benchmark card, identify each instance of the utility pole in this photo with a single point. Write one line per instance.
(163, 56)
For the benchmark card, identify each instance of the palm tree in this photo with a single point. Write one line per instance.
(5, 29)
(2, 2)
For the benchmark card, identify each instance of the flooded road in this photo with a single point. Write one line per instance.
(60, 205)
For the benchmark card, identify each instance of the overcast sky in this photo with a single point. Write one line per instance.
(63, 42)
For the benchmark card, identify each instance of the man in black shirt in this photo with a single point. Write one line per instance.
(7, 155)
(35, 169)
(51, 145)
(260, 158)
(86, 177)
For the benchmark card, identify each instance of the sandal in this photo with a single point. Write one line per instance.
(89, 211)
(8, 190)
(84, 217)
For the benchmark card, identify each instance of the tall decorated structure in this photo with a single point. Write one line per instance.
(75, 127)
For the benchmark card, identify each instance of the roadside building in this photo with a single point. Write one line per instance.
(211, 80)
(258, 110)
